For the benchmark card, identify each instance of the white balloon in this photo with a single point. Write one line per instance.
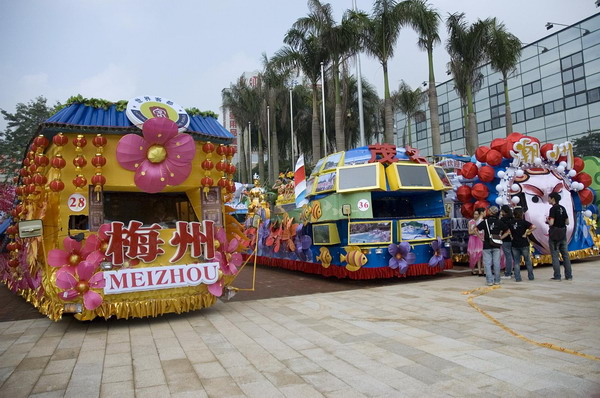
(514, 187)
(499, 200)
(511, 173)
(560, 169)
(478, 164)
(516, 200)
(537, 161)
(501, 174)
(504, 201)
(588, 213)
(519, 173)
(499, 187)
(572, 173)
(563, 164)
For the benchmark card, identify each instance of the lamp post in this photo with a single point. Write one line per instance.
(550, 25)
(250, 149)
(544, 49)
(323, 99)
(293, 144)
(361, 116)
(269, 141)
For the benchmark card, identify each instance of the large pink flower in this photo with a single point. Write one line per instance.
(162, 157)
(73, 253)
(226, 254)
(78, 281)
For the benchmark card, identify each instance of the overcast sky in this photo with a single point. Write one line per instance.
(188, 51)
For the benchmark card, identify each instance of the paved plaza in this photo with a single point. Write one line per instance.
(404, 339)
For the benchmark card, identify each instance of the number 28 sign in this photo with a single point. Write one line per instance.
(77, 202)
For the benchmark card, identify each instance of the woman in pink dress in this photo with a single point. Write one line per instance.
(475, 245)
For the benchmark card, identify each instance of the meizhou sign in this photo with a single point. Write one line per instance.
(154, 278)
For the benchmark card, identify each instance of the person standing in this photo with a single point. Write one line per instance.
(493, 228)
(506, 215)
(475, 245)
(557, 237)
(520, 229)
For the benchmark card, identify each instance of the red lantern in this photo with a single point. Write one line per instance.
(60, 139)
(231, 187)
(98, 160)
(208, 147)
(222, 150)
(98, 179)
(230, 168)
(207, 164)
(467, 210)
(481, 152)
(99, 141)
(58, 162)
(31, 189)
(41, 160)
(39, 179)
(79, 181)
(545, 148)
(23, 172)
(481, 204)
(27, 180)
(578, 164)
(486, 174)
(469, 170)
(13, 263)
(221, 166)
(16, 179)
(32, 167)
(463, 193)
(57, 185)
(223, 183)
(586, 196)
(583, 178)
(19, 191)
(497, 144)
(12, 230)
(206, 181)
(80, 141)
(12, 246)
(14, 213)
(480, 191)
(232, 151)
(79, 161)
(493, 157)
(41, 141)
(26, 162)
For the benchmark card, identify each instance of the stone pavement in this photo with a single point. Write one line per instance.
(406, 339)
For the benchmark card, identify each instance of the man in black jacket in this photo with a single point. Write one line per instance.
(557, 237)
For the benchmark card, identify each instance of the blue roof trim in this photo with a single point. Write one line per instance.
(80, 115)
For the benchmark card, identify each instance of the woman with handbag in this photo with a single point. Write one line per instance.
(493, 228)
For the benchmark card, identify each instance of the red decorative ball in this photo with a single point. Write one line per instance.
(514, 137)
(506, 148)
(16, 179)
(467, 210)
(208, 147)
(19, 191)
(31, 189)
(497, 144)
(578, 164)
(98, 160)
(493, 157)
(26, 162)
(469, 170)
(60, 139)
(481, 203)
(79, 181)
(98, 179)
(533, 139)
(79, 161)
(545, 148)
(463, 193)
(583, 178)
(57, 185)
(32, 167)
(40, 141)
(480, 191)
(207, 164)
(12, 246)
(99, 140)
(486, 174)
(58, 162)
(481, 152)
(586, 196)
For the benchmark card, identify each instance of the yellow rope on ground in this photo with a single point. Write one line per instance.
(485, 290)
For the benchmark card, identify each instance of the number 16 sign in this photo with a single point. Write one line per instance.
(77, 202)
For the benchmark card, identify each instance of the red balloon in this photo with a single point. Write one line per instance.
(578, 164)
(533, 139)
(545, 148)
(506, 148)
(584, 178)
(586, 196)
(497, 144)
(463, 193)
(480, 191)
(486, 174)
(469, 170)
(481, 203)
(467, 210)
(481, 152)
(514, 137)
(493, 157)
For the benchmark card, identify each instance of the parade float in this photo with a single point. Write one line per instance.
(121, 213)
(369, 212)
(519, 171)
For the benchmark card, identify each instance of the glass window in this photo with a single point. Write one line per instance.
(558, 105)
(488, 125)
(538, 111)
(527, 90)
(492, 90)
(578, 72)
(495, 123)
(594, 95)
(569, 102)
(565, 63)
(579, 85)
(548, 108)
(577, 58)
(567, 75)
(569, 89)
(581, 99)
(495, 112)
(536, 86)
(529, 114)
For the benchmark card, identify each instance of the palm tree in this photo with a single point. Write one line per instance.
(504, 50)
(380, 34)
(305, 52)
(341, 41)
(425, 21)
(467, 48)
(408, 101)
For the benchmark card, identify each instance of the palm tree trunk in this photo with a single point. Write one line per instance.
(243, 173)
(472, 140)
(340, 139)
(316, 139)
(436, 145)
(508, 115)
(388, 127)
(409, 132)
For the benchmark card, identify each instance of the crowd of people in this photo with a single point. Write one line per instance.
(503, 239)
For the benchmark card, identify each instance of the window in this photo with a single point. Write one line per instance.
(573, 79)
(360, 178)
(325, 234)
(593, 95)
(532, 88)
(444, 119)
(422, 130)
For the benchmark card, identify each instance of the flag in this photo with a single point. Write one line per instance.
(300, 183)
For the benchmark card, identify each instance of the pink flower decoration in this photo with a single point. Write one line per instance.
(73, 253)
(226, 255)
(78, 281)
(162, 157)
(216, 289)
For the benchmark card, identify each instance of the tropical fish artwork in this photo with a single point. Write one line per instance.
(354, 258)
(324, 257)
(316, 211)
(306, 212)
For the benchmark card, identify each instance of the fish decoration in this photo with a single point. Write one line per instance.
(306, 212)
(316, 211)
(354, 258)
(440, 253)
(401, 257)
(324, 257)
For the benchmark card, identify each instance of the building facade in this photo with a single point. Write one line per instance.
(554, 95)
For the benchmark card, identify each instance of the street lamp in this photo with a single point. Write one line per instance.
(269, 141)
(250, 148)
(550, 25)
(544, 49)
(324, 121)
(292, 140)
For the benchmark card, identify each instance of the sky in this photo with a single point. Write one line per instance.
(190, 50)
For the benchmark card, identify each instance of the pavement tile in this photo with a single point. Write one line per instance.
(52, 382)
(122, 389)
(149, 378)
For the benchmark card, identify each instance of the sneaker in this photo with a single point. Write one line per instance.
(569, 279)
(496, 283)
(518, 280)
(555, 279)
(506, 277)
(531, 279)
(490, 284)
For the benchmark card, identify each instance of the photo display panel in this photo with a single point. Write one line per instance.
(413, 176)
(357, 177)
(321, 234)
